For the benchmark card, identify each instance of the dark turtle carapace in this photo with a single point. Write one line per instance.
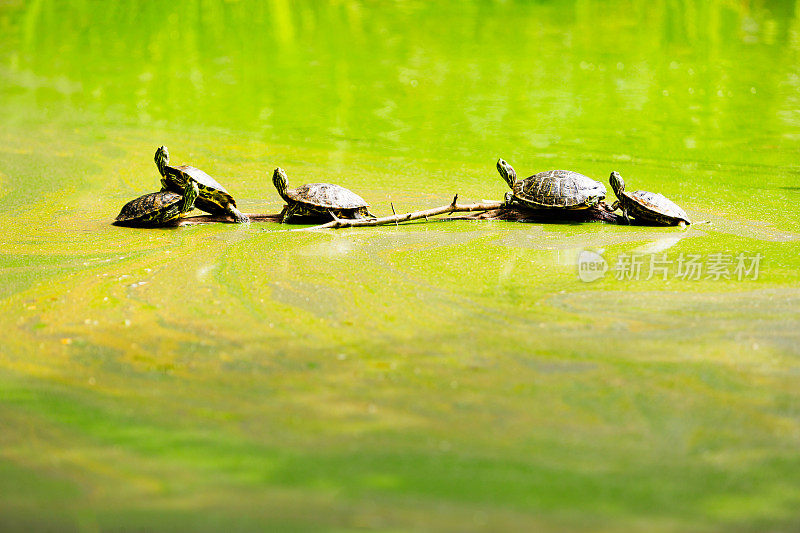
(319, 200)
(158, 208)
(553, 189)
(648, 207)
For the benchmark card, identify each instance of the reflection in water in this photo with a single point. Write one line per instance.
(660, 245)
(293, 71)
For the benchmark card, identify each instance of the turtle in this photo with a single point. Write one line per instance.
(213, 197)
(319, 200)
(552, 189)
(158, 208)
(646, 206)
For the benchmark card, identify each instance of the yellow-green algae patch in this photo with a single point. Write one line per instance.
(453, 375)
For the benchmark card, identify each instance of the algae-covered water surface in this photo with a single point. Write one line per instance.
(450, 375)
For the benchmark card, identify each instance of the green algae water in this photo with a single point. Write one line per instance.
(454, 375)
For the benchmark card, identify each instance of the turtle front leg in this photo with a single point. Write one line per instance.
(285, 214)
(190, 194)
(619, 205)
(237, 215)
(291, 211)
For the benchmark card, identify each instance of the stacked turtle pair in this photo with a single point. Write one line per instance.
(567, 190)
(182, 188)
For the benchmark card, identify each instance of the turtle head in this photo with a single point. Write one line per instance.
(616, 183)
(162, 159)
(508, 173)
(279, 180)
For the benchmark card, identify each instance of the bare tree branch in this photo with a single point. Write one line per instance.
(517, 213)
(484, 210)
(403, 217)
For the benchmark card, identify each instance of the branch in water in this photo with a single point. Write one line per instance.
(403, 217)
(485, 210)
(516, 213)
(225, 219)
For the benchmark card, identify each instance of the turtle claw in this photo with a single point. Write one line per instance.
(238, 216)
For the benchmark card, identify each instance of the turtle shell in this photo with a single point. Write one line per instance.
(146, 207)
(559, 189)
(644, 205)
(327, 195)
(213, 196)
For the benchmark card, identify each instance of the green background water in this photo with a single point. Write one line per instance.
(453, 375)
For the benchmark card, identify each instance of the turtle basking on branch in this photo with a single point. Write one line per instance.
(158, 208)
(213, 197)
(646, 206)
(319, 200)
(553, 189)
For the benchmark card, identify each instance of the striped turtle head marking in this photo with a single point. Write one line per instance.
(279, 180)
(162, 159)
(507, 172)
(616, 183)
